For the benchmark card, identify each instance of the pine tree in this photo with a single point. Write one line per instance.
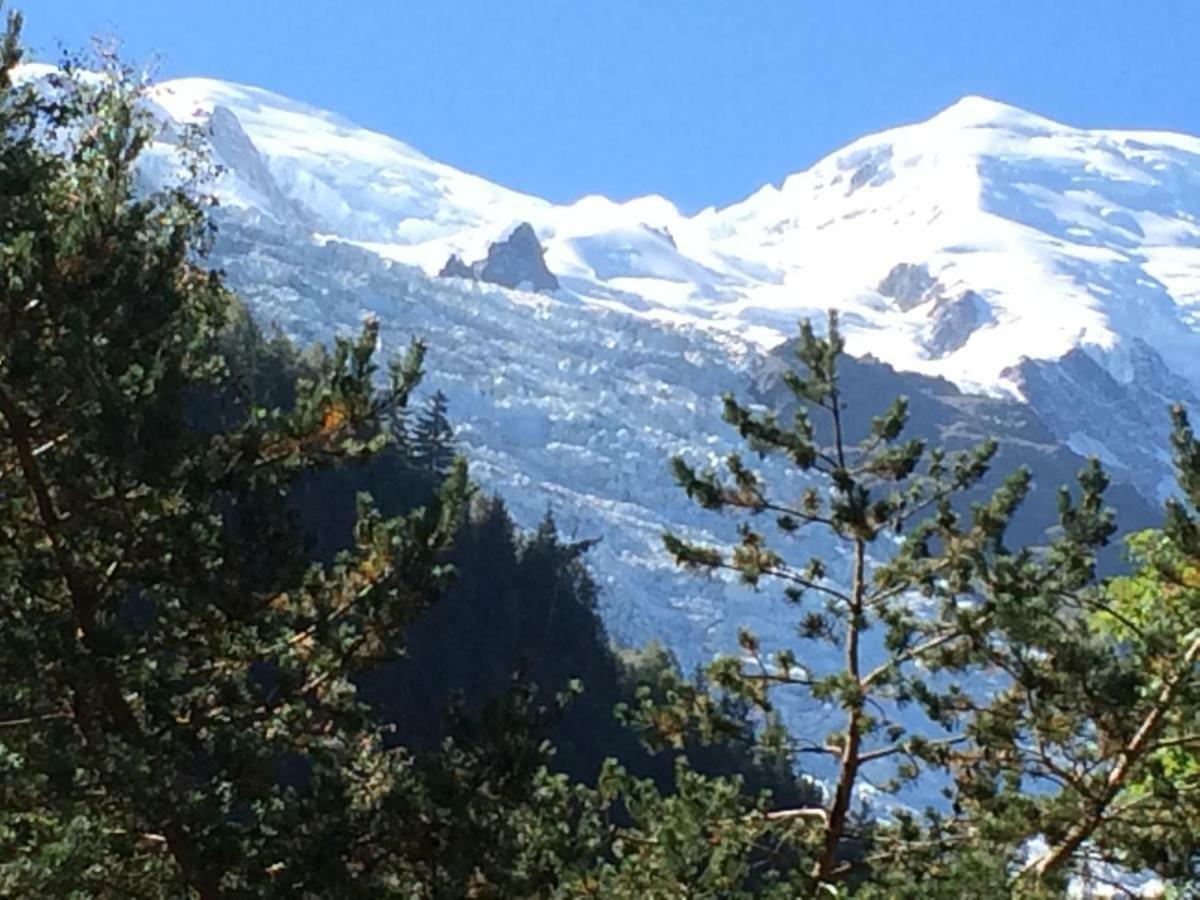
(431, 441)
(1095, 744)
(179, 715)
(868, 496)
(1087, 741)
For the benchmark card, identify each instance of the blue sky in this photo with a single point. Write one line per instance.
(700, 101)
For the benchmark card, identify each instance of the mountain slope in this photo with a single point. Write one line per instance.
(1068, 238)
(1053, 269)
(1063, 238)
(1009, 254)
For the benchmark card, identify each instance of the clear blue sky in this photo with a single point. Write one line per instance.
(702, 101)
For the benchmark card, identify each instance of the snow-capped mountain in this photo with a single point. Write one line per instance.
(1053, 272)
(1069, 237)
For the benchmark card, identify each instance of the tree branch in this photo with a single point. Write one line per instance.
(910, 655)
(1139, 745)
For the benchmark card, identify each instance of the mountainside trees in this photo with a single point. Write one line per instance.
(883, 486)
(430, 442)
(188, 609)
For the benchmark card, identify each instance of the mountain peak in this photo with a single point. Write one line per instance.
(1041, 237)
(976, 111)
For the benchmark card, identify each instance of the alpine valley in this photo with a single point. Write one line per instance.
(1013, 276)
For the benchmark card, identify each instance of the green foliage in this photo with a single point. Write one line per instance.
(880, 488)
(1094, 744)
(181, 713)
(1094, 713)
(430, 441)
(178, 711)
(186, 659)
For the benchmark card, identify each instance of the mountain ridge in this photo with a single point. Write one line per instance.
(992, 199)
(1037, 241)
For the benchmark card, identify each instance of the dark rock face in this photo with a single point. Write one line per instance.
(1126, 423)
(872, 167)
(942, 414)
(456, 268)
(517, 261)
(952, 318)
(234, 149)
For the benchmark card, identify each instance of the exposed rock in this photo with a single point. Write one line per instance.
(952, 319)
(909, 285)
(942, 414)
(952, 322)
(665, 232)
(872, 167)
(456, 268)
(1123, 422)
(517, 261)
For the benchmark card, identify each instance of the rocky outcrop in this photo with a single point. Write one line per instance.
(908, 285)
(952, 322)
(1033, 435)
(952, 318)
(456, 268)
(1125, 422)
(235, 151)
(518, 261)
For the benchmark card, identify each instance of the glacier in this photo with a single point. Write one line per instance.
(1016, 275)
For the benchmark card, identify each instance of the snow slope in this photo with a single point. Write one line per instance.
(1070, 238)
(1012, 242)
(1053, 268)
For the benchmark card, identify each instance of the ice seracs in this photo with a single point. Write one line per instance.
(1054, 268)
(1063, 237)
(1039, 240)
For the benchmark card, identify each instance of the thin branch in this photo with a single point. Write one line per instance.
(31, 720)
(1181, 741)
(910, 655)
(788, 575)
(783, 815)
(906, 748)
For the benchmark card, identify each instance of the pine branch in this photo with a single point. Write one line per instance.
(1139, 745)
(85, 603)
(910, 656)
(906, 747)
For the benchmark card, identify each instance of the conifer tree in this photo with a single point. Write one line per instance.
(179, 714)
(178, 711)
(867, 495)
(1094, 746)
(431, 442)
(1086, 742)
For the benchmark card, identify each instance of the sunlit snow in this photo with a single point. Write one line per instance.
(1035, 260)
